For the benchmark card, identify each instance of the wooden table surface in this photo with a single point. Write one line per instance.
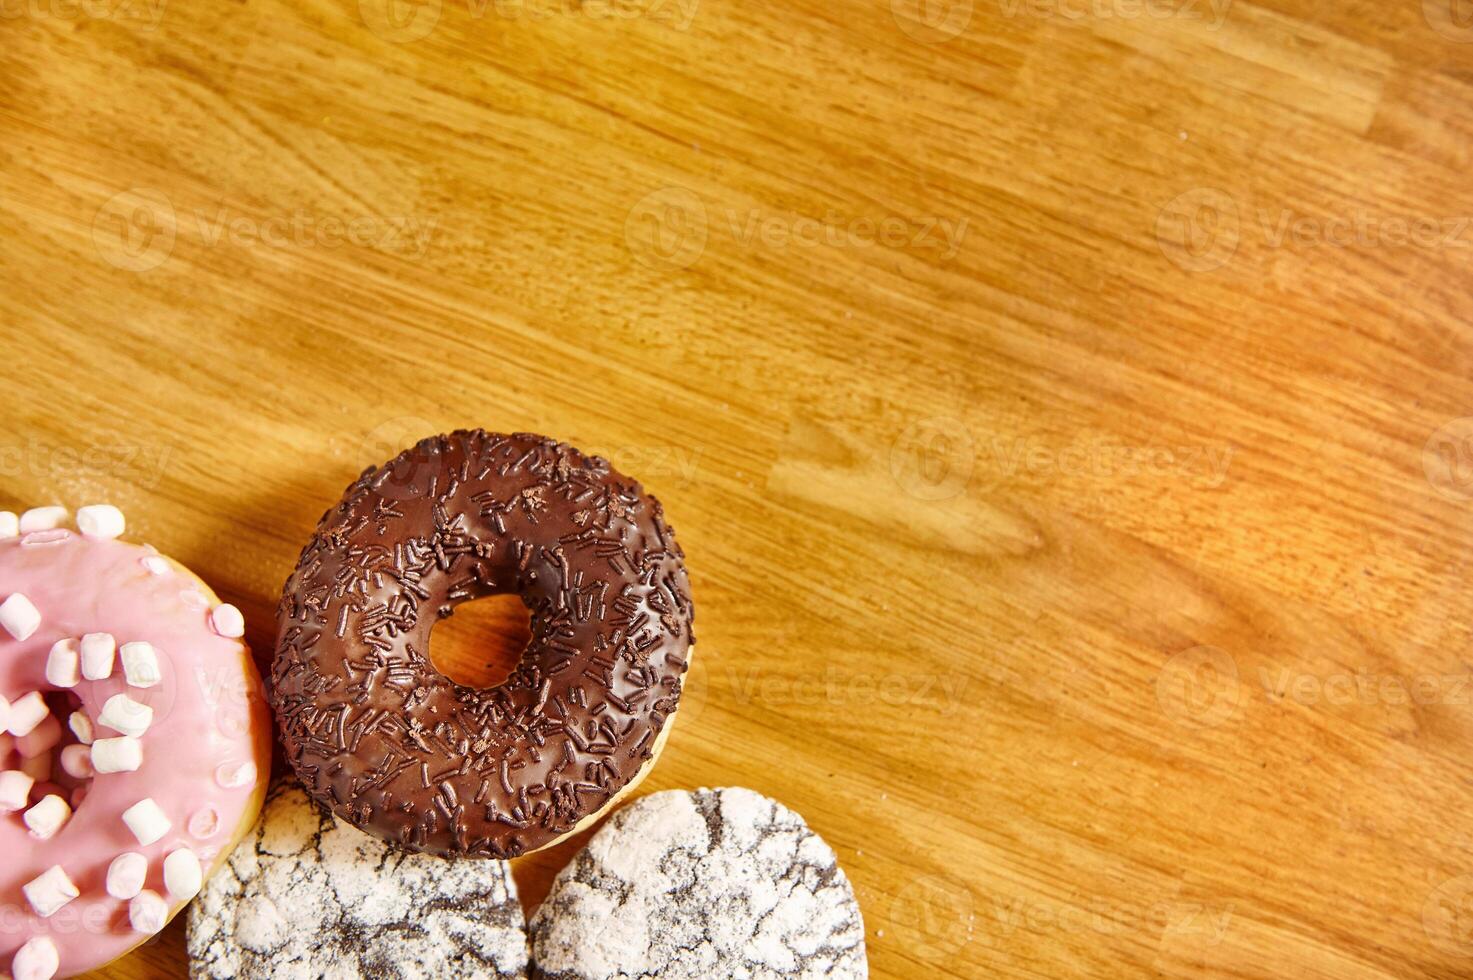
(1065, 405)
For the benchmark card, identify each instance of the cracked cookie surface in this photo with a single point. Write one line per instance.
(306, 896)
(711, 883)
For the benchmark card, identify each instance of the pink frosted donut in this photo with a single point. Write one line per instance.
(134, 740)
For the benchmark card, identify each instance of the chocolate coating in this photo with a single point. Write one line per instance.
(390, 744)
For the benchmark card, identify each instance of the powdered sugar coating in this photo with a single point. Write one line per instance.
(713, 883)
(307, 896)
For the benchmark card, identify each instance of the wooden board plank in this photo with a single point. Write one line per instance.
(1058, 401)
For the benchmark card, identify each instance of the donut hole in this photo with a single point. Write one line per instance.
(479, 643)
(39, 755)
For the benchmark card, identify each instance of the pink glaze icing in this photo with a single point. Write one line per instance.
(207, 717)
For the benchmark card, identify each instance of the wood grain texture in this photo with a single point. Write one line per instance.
(1064, 405)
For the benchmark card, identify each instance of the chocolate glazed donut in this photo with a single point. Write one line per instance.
(386, 741)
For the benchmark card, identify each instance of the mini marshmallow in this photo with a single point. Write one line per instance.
(123, 714)
(97, 655)
(156, 564)
(9, 524)
(147, 821)
(47, 817)
(26, 713)
(64, 663)
(36, 960)
(76, 762)
(183, 876)
(42, 519)
(81, 726)
(125, 875)
(4, 716)
(19, 616)
(100, 521)
(42, 738)
(148, 912)
(15, 790)
(123, 754)
(49, 891)
(140, 663)
(227, 620)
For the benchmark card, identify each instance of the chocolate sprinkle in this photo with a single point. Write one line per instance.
(391, 745)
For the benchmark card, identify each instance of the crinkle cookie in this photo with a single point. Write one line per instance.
(308, 897)
(704, 884)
